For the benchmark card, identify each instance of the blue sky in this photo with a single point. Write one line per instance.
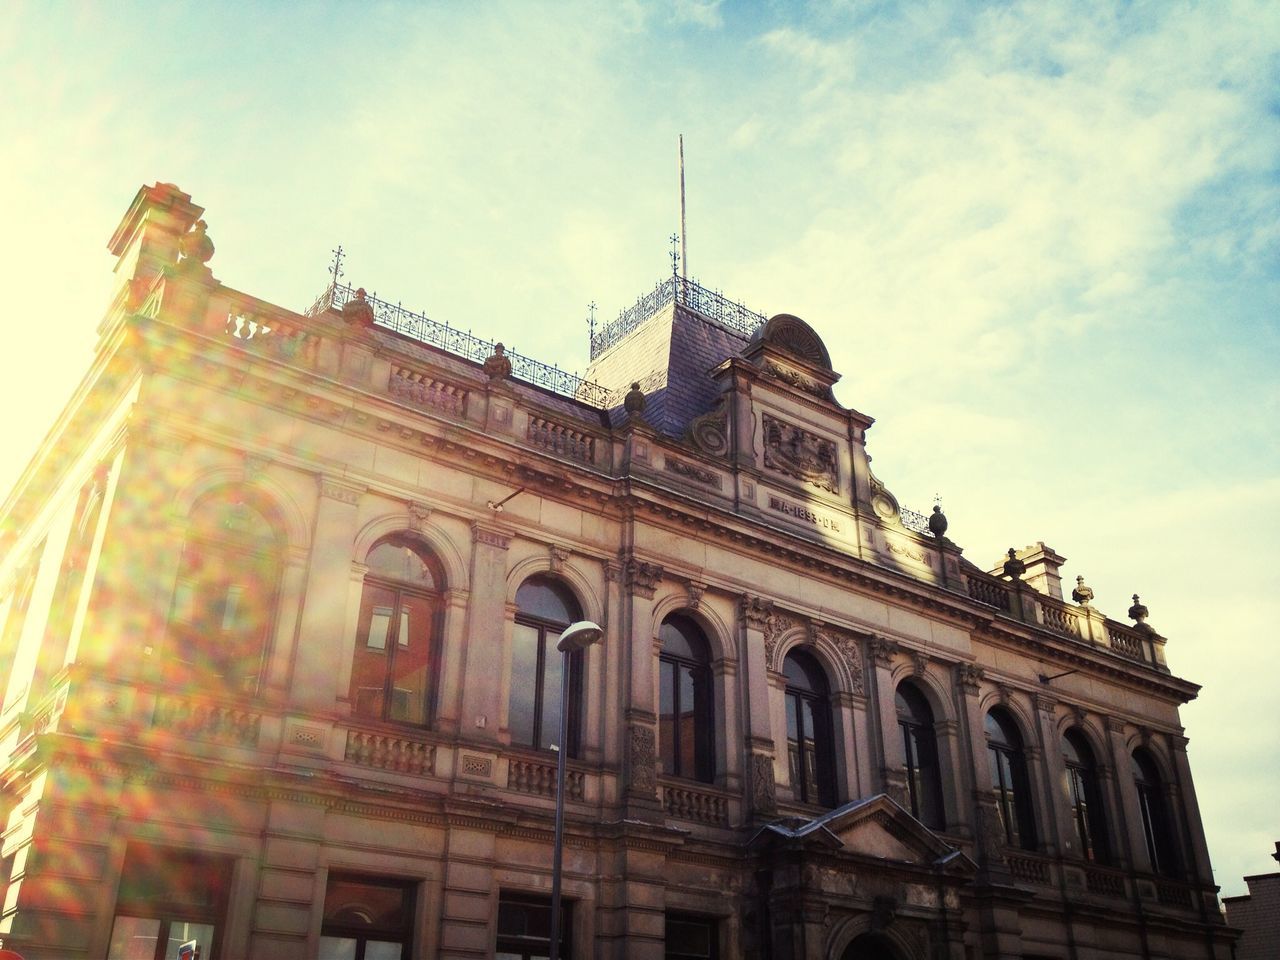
(1041, 241)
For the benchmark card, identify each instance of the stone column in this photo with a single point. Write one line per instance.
(891, 748)
(742, 422)
(1059, 831)
(483, 654)
(759, 747)
(324, 606)
(640, 582)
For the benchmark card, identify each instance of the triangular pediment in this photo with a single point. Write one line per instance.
(875, 827)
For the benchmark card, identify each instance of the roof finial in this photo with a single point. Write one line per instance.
(675, 256)
(335, 268)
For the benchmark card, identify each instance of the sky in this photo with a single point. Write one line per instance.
(1041, 242)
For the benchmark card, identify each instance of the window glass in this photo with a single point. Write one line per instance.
(810, 750)
(1153, 806)
(367, 918)
(524, 927)
(1009, 783)
(690, 938)
(544, 609)
(685, 720)
(167, 898)
(1086, 798)
(920, 756)
(393, 667)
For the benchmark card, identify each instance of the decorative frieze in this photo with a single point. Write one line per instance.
(797, 380)
(774, 629)
(849, 651)
(642, 759)
(797, 453)
(689, 471)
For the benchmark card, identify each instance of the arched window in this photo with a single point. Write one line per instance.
(1009, 780)
(224, 600)
(396, 645)
(920, 756)
(809, 742)
(1086, 798)
(685, 718)
(1157, 825)
(544, 609)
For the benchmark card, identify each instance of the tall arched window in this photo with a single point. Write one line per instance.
(809, 742)
(1157, 825)
(396, 646)
(224, 600)
(1086, 798)
(1009, 780)
(920, 757)
(544, 608)
(685, 718)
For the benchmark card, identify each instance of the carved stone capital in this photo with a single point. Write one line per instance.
(612, 571)
(696, 590)
(558, 555)
(641, 578)
(883, 649)
(1115, 725)
(1046, 705)
(489, 536)
(756, 612)
(919, 663)
(332, 489)
(969, 676)
(418, 514)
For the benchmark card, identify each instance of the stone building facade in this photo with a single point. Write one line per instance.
(281, 595)
(1256, 915)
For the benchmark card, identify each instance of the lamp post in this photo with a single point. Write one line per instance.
(578, 636)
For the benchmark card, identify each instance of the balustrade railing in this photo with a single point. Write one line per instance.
(991, 592)
(424, 390)
(1028, 869)
(1127, 645)
(538, 777)
(272, 336)
(700, 806)
(382, 751)
(689, 293)
(1173, 894)
(1107, 883)
(200, 720)
(560, 439)
(1060, 620)
(462, 343)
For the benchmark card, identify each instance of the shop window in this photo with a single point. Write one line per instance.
(691, 937)
(1087, 814)
(544, 609)
(920, 757)
(224, 600)
(367, 918)
(1153, 805)
(398, 638)
(524, 927)
(685, 719)
(169, 898)
(810, 748)
(1009, 782)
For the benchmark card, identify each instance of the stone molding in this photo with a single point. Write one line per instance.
(332, 489)
(489, 536)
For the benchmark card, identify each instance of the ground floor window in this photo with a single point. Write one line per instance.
(168, 900)
(524, 927)
(691, 938)
(367, 918)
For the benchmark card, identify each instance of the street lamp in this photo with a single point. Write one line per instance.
(578, 636)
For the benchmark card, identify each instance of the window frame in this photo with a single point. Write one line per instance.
(363, 933)
(711, 924)
(1158, 831)
(823, 738)
(923, 775)
(1084, 790)
(548, 634)
(1011, 781)
(524, 947)
(402, 592)
(698, 669)
(146, 862)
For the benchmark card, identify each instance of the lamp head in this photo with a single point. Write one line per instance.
(579, 636)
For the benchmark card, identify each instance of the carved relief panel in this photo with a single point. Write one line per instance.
(799, 454)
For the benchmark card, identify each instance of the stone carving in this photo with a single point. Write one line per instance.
(692, 472)
(337, 491)
(776, 625)
(849, 650)
(800, 454)
(710, 432)
(357, 311)
(640, 577)
(970, 676)
(1139, 613)
(1083, 593)
(1046, 705)
(644, 778)
(196, 247)
(763, 791)
(558, 555)
(797, 380)
(795, 337)
(491, 538)
(883, 649)
(937, 522)
(756, 611)
(696, 590)
(634, 402)
(920, 663)
(418, 514)
(1013, 567)
(904, 550)
(497, 366)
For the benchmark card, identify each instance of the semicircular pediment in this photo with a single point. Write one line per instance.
(792, 335)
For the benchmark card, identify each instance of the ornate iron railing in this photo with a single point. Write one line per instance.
(914, 520)
(689, 293)
(393, 316)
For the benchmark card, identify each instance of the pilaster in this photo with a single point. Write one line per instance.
(483, 652)
(759, 748)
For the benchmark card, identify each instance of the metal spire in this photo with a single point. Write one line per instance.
(684, 248)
